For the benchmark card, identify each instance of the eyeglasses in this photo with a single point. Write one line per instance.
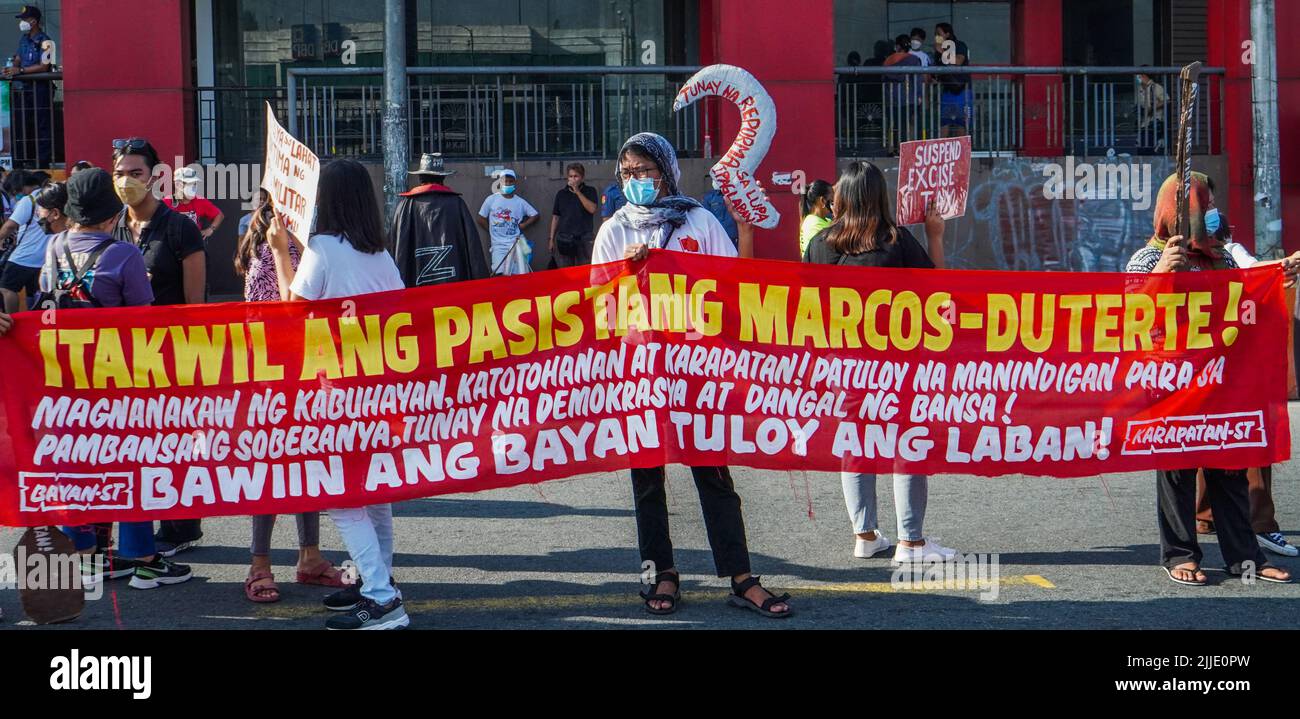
(135, 143)
(638, 172)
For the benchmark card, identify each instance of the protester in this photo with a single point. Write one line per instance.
(916, 46)
(660, 216)
(433, 237)
(905, 91)
(955, 101)
(186, 200)
(1226, 489)
(50, 202)
(572, 228)
(262, 198)
(345, 257)
(87, 267)
(21, 269)
(254, 261)
(8, 193)
(611, 200)
(32, 99)
(1151, 101)
(1259, 480)
(815, 208)
(718, 206)
(505, 216)
(177, 263)
(864, 235)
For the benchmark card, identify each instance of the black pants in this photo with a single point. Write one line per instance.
(1176, 511)
(179, 530)
(722, 519)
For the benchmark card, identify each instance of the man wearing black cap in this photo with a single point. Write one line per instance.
(112, 274)
(433, 237)
(31, 98)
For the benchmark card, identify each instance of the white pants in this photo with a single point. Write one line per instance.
(368, 535)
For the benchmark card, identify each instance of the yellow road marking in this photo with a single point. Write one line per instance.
(574, 601)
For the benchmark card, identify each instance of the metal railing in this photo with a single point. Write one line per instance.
(485, 113)
(1078, 110)
(510, 113)
(36, 120)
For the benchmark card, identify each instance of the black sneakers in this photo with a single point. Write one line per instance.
(369, 615)
(96, 567)
(171, 549)
(347, 598)
(151, 575)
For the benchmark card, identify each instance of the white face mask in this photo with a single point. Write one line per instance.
(916, 44)
(25, 26)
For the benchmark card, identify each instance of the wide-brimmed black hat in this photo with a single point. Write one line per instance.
(431, 164)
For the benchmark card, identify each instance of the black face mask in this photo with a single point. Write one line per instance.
(44, 222)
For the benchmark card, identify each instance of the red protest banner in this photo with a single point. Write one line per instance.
(936, 170)
(148, 413)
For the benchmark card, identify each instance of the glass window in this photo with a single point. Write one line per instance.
(552, 32)
(867, 28)
(255, 40)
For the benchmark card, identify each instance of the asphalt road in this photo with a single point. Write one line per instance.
(1076, 553)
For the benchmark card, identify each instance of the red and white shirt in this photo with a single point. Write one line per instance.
(700, 234)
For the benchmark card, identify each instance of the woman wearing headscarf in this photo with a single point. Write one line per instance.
(657, 215)
(1226, 489)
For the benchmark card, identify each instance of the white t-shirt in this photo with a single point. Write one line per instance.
(923, 56)
(701, 234)
(331, 267)
(504, 215)
(1240, 254)
(30, 251)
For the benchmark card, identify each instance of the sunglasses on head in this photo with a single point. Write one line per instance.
(135, 143)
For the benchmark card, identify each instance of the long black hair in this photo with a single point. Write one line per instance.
(863, 220)
(818, 190)
(251, 242)
(346, 206)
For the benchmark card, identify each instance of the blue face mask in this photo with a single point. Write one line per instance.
(640, 192)
(1212, 221)
(507, 189)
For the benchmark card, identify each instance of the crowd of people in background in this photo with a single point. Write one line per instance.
(909, 104)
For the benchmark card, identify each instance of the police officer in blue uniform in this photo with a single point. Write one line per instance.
(33, 124)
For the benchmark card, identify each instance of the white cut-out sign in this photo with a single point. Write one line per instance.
(735, 174)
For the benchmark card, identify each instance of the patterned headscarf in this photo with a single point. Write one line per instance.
(1206, 250)
(668, 212)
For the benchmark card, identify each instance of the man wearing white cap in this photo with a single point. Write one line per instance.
(186, 200)
(505, 216)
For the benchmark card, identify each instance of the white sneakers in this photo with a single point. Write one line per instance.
(930, 551)
(867, 548)
(1275, 543)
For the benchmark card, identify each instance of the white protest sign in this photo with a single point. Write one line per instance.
(291, 174)
(734, 173)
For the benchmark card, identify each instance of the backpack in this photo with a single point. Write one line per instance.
(74, 293)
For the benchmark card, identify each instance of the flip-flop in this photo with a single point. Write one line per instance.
(1170, 572)
(1260, 576)
(260, 594)
(326, 575)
